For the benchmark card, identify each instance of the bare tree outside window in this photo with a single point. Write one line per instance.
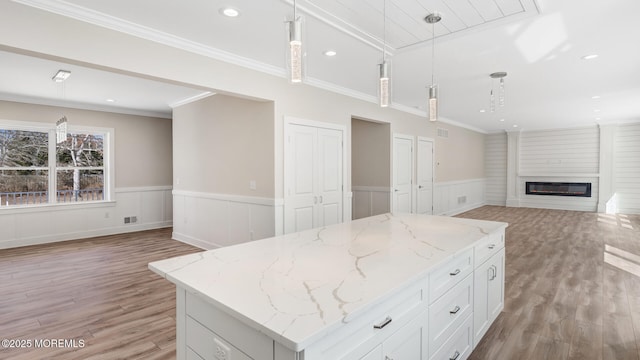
(25, 176)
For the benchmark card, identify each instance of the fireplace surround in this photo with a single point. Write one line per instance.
(558, 188)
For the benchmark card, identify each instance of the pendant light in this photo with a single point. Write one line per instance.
(62, 124)
(497, 75)
(384, 85)
(433, 89)
(295, 50)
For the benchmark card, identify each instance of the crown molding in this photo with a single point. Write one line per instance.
(83, 106)
(191, 99)
(80, 13)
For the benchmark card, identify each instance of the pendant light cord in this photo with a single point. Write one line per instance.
(433, 51)
(384, 30)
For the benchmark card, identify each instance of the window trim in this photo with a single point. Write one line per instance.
(50, 129)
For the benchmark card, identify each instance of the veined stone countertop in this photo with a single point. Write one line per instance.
(296, 288)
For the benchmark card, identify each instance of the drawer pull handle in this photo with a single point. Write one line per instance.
(492, 246)
(383, 324)
(455, 355)
(455, 310)
(455, 272)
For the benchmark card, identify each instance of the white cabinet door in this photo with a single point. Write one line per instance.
(488, 294)
(402, 174)
(425, 176)
(314, 178)
(410, 342)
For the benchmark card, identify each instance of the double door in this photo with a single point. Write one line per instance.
(314, 177)
(403, 198)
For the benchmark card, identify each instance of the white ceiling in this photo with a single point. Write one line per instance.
(539, 43)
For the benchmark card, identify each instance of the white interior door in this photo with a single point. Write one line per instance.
(425, 176)
(300, 209)
(402, 173)
(314, 177)
(329, 180)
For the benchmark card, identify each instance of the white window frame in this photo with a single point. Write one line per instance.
(108, 160)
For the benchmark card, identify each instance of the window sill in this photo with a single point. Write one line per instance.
(17, 209)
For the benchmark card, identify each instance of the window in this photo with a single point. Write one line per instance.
(35, 170)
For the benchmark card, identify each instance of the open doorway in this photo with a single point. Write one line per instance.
(370, 167)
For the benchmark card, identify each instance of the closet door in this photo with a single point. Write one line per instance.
(329, 181)
(425, 176)
(314, 177)
(301, 199)
(402, 174)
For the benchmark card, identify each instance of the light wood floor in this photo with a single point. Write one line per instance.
(572, 286)
(572, 291)
(98, 290)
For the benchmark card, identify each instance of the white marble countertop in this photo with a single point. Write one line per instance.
(296, 288)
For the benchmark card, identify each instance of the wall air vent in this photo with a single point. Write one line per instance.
(443, 133)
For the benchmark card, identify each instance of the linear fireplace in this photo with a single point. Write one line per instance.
(558, 188)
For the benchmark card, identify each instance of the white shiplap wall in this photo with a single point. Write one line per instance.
(495, 169)
(627, 168)
(568, 151)
(560, 155)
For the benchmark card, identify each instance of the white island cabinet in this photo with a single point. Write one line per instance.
(387, 287)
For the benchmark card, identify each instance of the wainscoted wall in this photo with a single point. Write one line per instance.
(151, 207)
(214, 220)
(454, 197)
(370, 200)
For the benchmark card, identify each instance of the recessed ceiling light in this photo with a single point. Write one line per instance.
(229, 12)
(501, 120)
(596, 110)
(330, 53)
(595, 97)
(483, 110)
(110, 100)
(514, 125)
(597, 118)
(61, 75)
(589, 57)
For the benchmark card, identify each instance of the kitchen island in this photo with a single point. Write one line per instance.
(384, 287)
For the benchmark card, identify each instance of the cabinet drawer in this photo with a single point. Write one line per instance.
(448, 312)
(248, 340)
(359, 335)
(449, 274)
(459, 345)
(488, 246)
(205, 342)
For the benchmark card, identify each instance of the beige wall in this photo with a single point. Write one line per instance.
(142, 144)
(30, 30)
(370, 154)
(221, 143)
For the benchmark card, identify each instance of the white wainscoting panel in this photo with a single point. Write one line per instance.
(370, 200)
(151, 206)
(455, 197)
(627, 169)
(214, 220)
(576, 203)
(495, 169)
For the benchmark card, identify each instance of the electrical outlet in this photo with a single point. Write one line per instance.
(127, 220)
(134, 219)
(222, 351)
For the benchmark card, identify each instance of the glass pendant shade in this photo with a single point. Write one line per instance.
(501, 93)
(433, 102)
(384, 89)
(295, 68)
